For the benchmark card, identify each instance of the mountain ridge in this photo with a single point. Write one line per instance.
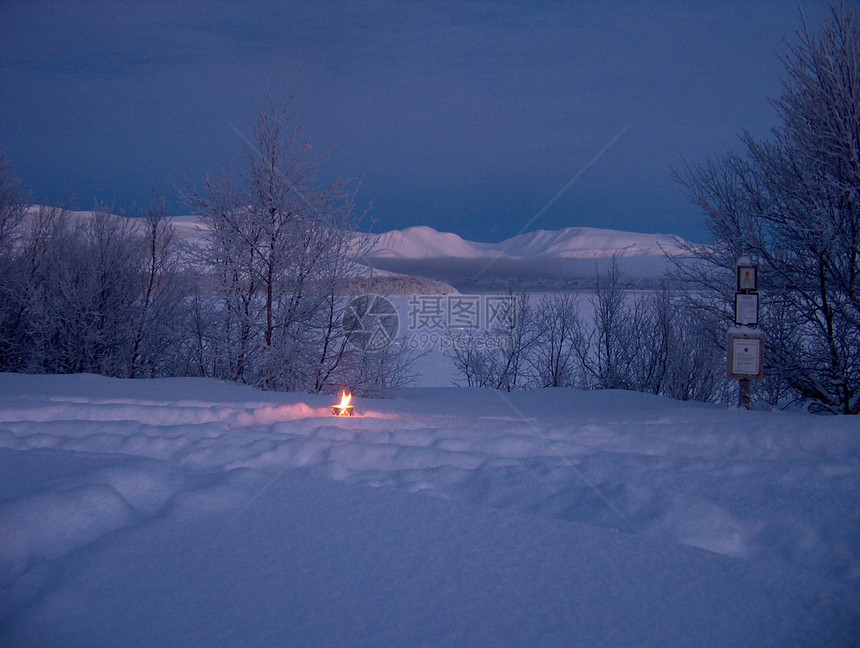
(424, 242)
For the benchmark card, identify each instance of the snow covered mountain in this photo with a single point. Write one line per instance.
(589, 243)
(572, 242)
(568, 257)
(422, 242)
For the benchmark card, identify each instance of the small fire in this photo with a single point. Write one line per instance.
(344, 407)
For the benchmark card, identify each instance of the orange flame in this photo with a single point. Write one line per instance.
(344, 408)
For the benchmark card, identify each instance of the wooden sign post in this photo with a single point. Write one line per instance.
(746, 345)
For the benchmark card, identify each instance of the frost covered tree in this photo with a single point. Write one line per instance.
(81, 293)
(13, 206)
(559, 332)
(277, 255)
(12, 210)
(793, 203)
(613, 328)
(649, 342)
(98, 294)
(498, 357)
(653, 342)
(159, 322)
(612, 350)
(682, 357)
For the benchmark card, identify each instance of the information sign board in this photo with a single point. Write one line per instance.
(746, 355)
(746, 309)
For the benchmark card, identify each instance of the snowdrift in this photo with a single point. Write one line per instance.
(196, 513)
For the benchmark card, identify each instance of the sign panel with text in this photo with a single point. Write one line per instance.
(746, 309)
(746, 355)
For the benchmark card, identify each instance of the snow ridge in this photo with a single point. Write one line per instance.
(572, 242)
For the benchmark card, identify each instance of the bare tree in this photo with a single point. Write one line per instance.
(499, 357)
(374, 374)
(559, 331)
(691, 348)
(278, 251)
(13, 207)
(793, 203)
(158, 316)
(82, 293)
(606, 352)
(475, 366)
(12, 210)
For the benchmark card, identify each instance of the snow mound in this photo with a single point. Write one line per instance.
(555, 517)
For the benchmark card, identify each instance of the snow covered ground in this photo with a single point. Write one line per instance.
(187, 512)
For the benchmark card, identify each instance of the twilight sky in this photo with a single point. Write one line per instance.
(465, 116)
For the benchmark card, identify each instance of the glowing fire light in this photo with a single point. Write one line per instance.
(344, 407)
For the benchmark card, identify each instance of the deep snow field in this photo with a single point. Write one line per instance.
(187, 512)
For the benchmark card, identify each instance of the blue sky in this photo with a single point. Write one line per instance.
(465, 116)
